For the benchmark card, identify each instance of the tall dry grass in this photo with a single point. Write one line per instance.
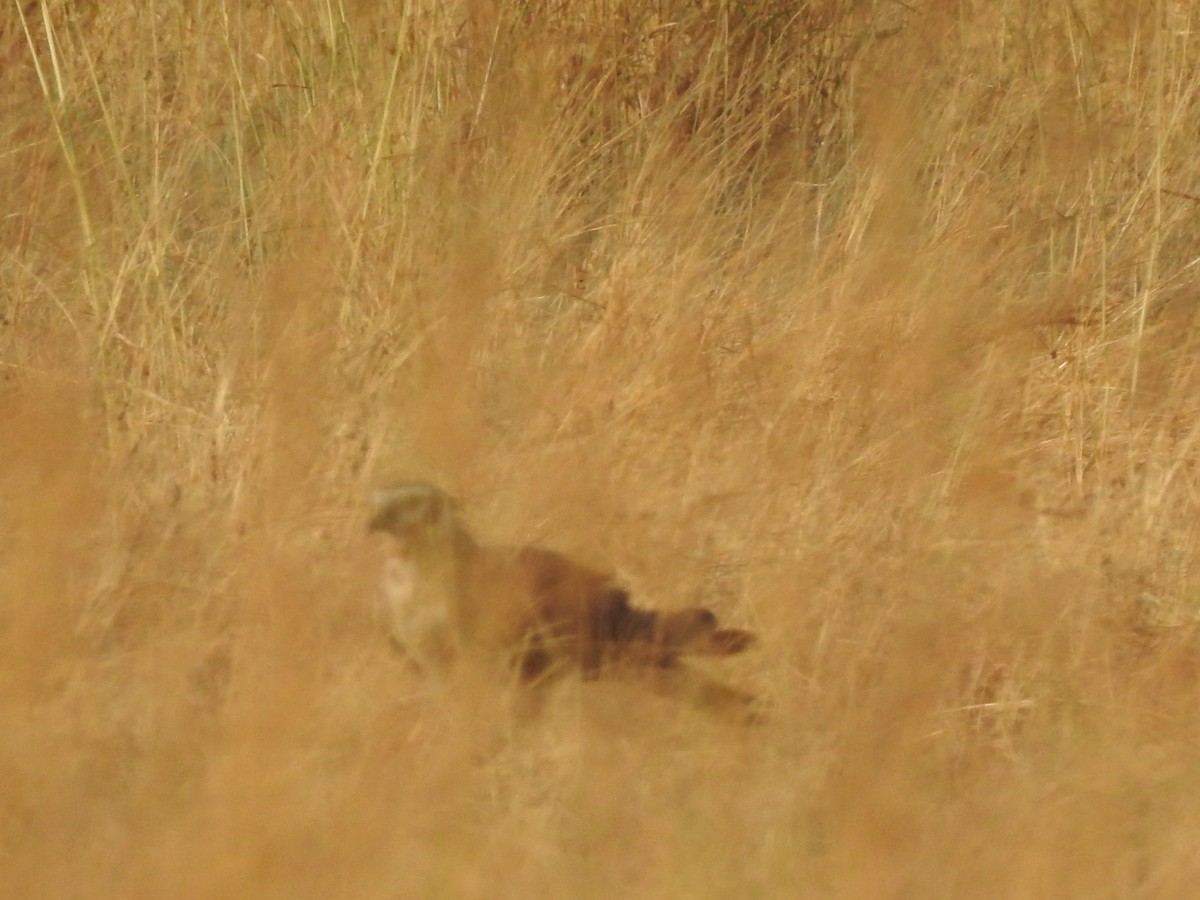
(871, 324)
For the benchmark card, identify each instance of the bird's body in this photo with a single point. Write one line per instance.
(527, 610)
(419, 623)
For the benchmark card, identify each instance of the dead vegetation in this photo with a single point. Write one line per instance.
(876, 318)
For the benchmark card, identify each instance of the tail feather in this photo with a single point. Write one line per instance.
(696, 689)
(694, 631)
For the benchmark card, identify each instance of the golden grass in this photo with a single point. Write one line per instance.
(869, 324)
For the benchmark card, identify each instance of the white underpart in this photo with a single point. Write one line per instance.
(421, 629)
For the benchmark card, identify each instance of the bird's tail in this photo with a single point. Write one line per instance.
(695, 631)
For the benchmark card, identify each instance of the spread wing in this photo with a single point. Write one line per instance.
(589, 615)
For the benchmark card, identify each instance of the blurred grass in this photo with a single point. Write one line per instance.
(870, 324)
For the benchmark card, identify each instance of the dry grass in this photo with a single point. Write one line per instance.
(871, 324)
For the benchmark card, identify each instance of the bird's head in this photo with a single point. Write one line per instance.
(411, 510)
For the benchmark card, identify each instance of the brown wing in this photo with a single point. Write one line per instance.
(576, 608)
(587, 615)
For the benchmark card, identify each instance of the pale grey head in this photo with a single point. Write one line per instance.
(408, 508)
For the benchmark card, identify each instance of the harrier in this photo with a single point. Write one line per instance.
(530, 611)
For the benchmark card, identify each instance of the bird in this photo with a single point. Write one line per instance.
(529, 612)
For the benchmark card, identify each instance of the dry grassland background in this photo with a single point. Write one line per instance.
(873, 325)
